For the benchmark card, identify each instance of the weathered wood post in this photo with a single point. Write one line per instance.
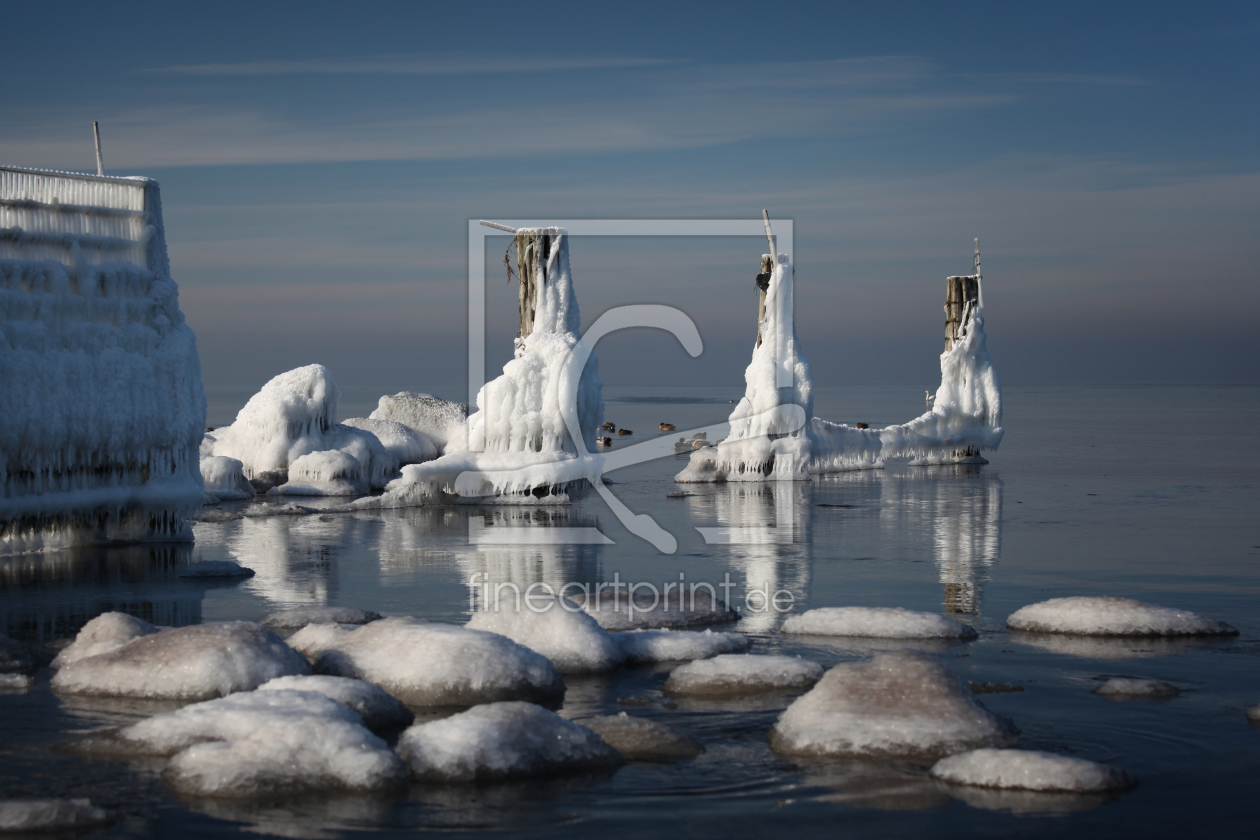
(763, 286)
(960, 294)
(533, 249)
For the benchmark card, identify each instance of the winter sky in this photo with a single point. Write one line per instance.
(319, 163)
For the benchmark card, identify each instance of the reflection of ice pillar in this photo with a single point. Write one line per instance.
(294, 558)
(967, 538)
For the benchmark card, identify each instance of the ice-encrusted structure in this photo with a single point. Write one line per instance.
(107, 632)
(1029, 770)
(51, 815)
(645, 647)
(379, 710)
(640, 739)
(877, 622)
(895, 705)
(441, 421)
(774, 434)
(429, 664)
(403, 443)
(555, 627)
(1127, 687)
(297, 617)
(501, 741)
(225, 478)
(1110, 616)
(186, 663)
(101, 399)
(295, 415)
(732, 675)
(518, 440)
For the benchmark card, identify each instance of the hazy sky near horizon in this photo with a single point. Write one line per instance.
(319, 163)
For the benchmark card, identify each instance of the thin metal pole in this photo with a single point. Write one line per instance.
(498, 226)
(765, 217)
(96, 132)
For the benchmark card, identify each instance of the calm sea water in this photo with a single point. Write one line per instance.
(1149, 493)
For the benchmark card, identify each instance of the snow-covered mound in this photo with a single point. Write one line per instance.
(379, 710)
(215, 569)
(896, 705)
(731, 675)
(315, 638)
(1123, 687)
(615, 610)
(328, 473)
(15, 682)
(1109, 616)
(295, 414)
(1029, 770)
(265, 743)
(403, 443)
(16, 657)
(101, 399)
(51, 815)
(502, 741)
(107, 632)
(555, 627)
(644, 647)
(441, 421)
(296, 617)
(426, 664)
(640, 739)
(225, 478)
(187, 663)
(877, 622)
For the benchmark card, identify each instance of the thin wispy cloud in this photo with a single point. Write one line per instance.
(457, 65)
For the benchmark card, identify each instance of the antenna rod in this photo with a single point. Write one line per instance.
(100, 164)
(765, 217)
(498, 226)
(979, 281)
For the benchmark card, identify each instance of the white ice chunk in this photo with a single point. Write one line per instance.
(224, 476)
(327, 473)
(15, 682)
(895, 705)
(215, 568)
(877, 622)
(1109, 616)
(1029, 770)
(51, 815)
(315, 638)
(502, 741)
(1126, 687)
(404, 443)
(296, 617)
(555, 627)
(426, 664)
(187, 663)
(615, 610)
(379, 710)
(442, 421)
(640, 739)
(731, 675)
(108, 631)
(643, 647)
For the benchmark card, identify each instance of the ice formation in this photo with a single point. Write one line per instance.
(643, 647)
(1029, 770)
(186, 663)
(731, 675)
(518, 439)
(555, 627)
(315, 638)
(100, 383)
(1110, 616)
(403, 443)
(297, 617)
(16, 657)
(293, 415)
(1124, 687)
(441, 421)
(501, 741)
(895, 705)
(877, 622)
(1253, 713)
(640, 739)
(215, 569)
(225, 478)
(15, 682)
(264, 743)
(774, 434)
(51, 815)
(107, 632)
(615, 610)
(380, 711)
(426, 664)
(328, 473)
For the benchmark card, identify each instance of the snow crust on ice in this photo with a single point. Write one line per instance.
(641, 739)
(500, 741)
(1110, 616)
(732, 675)
(895, 705)
(441, 421)
(1029, 770)
(403, 443)
(49, 815)
(643, 647)
(555, 627)
(16, 657)
(327, 473)
(186, 663)
(296, 617)
(107, 632)
(616, 611)
(380, 711)
(877, 622)
(215, 568)
(315, 638)
(1127, 687)
(518, 440)
(425, 664)
(225, 477)
(265, 743)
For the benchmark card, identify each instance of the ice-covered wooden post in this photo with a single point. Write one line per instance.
(960, 294)
(532, 250)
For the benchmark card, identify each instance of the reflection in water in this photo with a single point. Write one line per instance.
(1117, 647)
(886, 787)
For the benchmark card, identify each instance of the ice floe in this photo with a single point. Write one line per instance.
(895, 705)
(615, 610)
(315, 638)
(327, 473)
(215, 569)
(441, 421)
(51, 815)
(107, 632)
(732, 675)
(641, 739)
(380, 711)
(296, 617)
(877, 622)
(555, 627)
(1110, 616)
(225, 477)
(644, 647)
(429, 664)
(501, 741)
(1029, 770)
(403, 443)
(186, 663)
(15, 682)
(1125, 687)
